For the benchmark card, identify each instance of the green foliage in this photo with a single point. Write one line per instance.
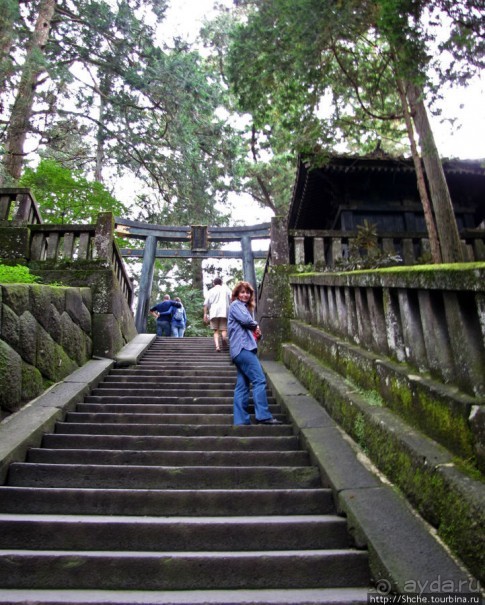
(318, 72)
(16, 275)
(66, 196)
(320, 75)
(364, 251)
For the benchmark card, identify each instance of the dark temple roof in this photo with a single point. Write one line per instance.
(319, 192)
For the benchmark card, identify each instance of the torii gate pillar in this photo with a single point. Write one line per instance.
(248, 261)
(146, 281)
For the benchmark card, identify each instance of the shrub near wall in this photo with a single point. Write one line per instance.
(45, 334)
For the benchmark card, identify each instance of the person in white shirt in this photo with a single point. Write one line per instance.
(216, 306)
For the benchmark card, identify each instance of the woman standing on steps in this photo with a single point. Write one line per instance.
(241, 330)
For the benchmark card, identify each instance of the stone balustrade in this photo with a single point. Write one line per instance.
(430, 318)
(75, 243)
(18, 206)
(322, 248)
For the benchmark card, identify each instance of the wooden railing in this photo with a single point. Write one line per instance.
(322, 248)
(18, 206)
(121, 273)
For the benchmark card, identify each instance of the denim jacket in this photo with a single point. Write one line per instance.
(240, 326)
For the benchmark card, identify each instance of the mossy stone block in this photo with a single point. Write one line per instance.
(17, 297)
(10, 378)
(10, 330)
(107, 336)
(77, 310)
(58, 297)
(73, 340)
(32, 383)
(51, 360)
(40, 299)
(29, 329)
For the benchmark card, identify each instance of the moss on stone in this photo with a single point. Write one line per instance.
(445, 425)
(10, 377)
(424, 482)
(32, 383)
(433, 411)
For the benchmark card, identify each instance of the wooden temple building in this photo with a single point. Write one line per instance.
(329, 203)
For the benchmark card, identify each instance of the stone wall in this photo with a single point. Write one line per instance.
(45, 334)
(113, 321)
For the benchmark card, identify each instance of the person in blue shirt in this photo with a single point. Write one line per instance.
(163, 312)
(179, 320)
(242, 331)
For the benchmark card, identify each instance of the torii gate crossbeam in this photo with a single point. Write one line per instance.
(200, 238)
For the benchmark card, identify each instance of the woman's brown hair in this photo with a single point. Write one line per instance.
(244, 285)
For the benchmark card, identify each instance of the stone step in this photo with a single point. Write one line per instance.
(190, 502)
(172, 390)
(299, 596)
(167, 458)
(193, 534)
(123, 408)
(193, 430)
(170, 382)
(166, 477)
(200, 362)
(168, 346)
(170, 442)
(157, 419)
(181, 571)
(147, 487)
(153, 381)
(171, 399)
(205, 357)
(163, 371)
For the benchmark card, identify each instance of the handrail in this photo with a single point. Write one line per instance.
(122, 274)
(18, 206)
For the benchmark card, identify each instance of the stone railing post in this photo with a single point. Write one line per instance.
(280, 251)
(104, 236)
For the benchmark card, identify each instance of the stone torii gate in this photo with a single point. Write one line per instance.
(200, 237)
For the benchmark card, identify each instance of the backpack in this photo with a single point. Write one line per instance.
(179, 314)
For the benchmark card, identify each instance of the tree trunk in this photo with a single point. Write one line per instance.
(19, 125)
(8, 16)
(449, 237)
(421, 183)
(103, 91)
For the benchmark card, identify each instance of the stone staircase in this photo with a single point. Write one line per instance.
(147, 493)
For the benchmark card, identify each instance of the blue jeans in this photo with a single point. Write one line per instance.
(249, 371)
(178, 331)
(164, 328)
